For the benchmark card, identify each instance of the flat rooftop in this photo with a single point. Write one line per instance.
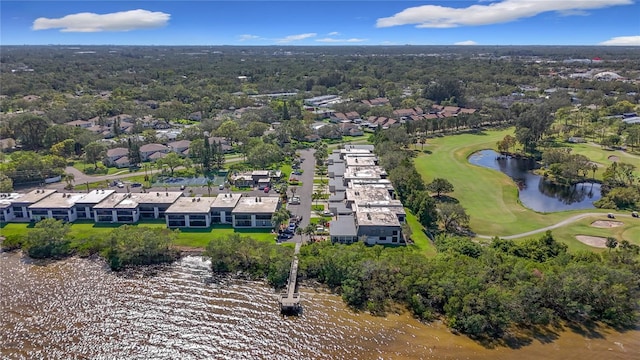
(257, 205)
(34, 196)
(377, 216)
(226, 200)
(58, 201)
(95, 196)
(370, 172)
(6, 199)
(361, 161)
(343, 226)
(157, 197)
(191, 205)
(368, 194)
(360, 147)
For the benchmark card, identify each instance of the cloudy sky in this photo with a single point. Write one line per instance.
(321, 22)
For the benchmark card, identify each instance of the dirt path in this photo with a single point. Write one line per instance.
(551, 227)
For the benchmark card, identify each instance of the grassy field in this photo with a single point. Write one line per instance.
(601, 156)
(630, 231)
(421, 241)
(187, 237)
(490, 197)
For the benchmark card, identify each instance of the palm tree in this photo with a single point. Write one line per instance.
(280, 217)
(209, 186)
(69, 179)
(316, 196)
(611, 243)
(309, 230)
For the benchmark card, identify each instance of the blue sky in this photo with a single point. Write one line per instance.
(328, 22)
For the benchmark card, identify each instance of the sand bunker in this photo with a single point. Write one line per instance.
(595, 241)
(606, 224)
(613, 158)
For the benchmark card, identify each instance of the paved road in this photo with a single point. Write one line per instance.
(555, 226)
(308, 168)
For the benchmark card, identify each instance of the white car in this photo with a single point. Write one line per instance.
(327, 213)
(120, 185)
(295, 201)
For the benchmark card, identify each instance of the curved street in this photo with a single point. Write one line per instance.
(551, 227)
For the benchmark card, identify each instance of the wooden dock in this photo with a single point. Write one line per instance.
(290, 299)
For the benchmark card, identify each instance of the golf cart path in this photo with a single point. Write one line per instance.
(551, 227)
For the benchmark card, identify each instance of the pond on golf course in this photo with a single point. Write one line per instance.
(535, 192)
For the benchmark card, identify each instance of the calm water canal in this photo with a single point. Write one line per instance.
(75, 309)
(534, 192)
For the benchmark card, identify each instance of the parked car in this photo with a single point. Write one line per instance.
(266, 190)
(611, 216)
(634, 214)
(182, 187)
(327, 213)
(136, 185)
(120, 185)
(221, 187)
(292, 227)
(295, 201)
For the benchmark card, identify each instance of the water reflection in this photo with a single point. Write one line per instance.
(77, 309)
(535, 192)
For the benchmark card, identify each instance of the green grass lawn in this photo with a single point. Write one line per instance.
(489, 196)
(601, 156)
(187, 237)
(421, 241)
(81, 165)
(630, 231)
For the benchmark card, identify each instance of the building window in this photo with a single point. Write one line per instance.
(395, 232)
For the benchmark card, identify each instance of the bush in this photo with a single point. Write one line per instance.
(12, 242)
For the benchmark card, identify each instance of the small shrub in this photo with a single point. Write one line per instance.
(12, 242)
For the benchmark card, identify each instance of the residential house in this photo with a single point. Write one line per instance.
(376, 102)
(129, 208)
(180, 146)
(244, 179)
(351, 130)
(222, 207)
(80, 123)
(223, 143)
(84, 205)
(195, 116)
(147, 150)
(6, 206)
(343, 230)
(7, 144)
(118, 157)
(193, 212)
(59, 206)
(378, 225)
(20, 204)
(255, 212)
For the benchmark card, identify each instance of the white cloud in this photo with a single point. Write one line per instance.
(333, 33)
(246, 37)
(334, 40)
(436, 16)
(468, 42)
(623, 41)
(297, 37)
(92, 22)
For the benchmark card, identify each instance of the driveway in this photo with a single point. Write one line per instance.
(308, 168)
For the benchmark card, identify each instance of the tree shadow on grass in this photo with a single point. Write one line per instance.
(446, 199)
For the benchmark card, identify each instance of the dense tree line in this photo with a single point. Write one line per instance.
(255, 259)
(122, 247)
(484, 291)
(620, 188)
